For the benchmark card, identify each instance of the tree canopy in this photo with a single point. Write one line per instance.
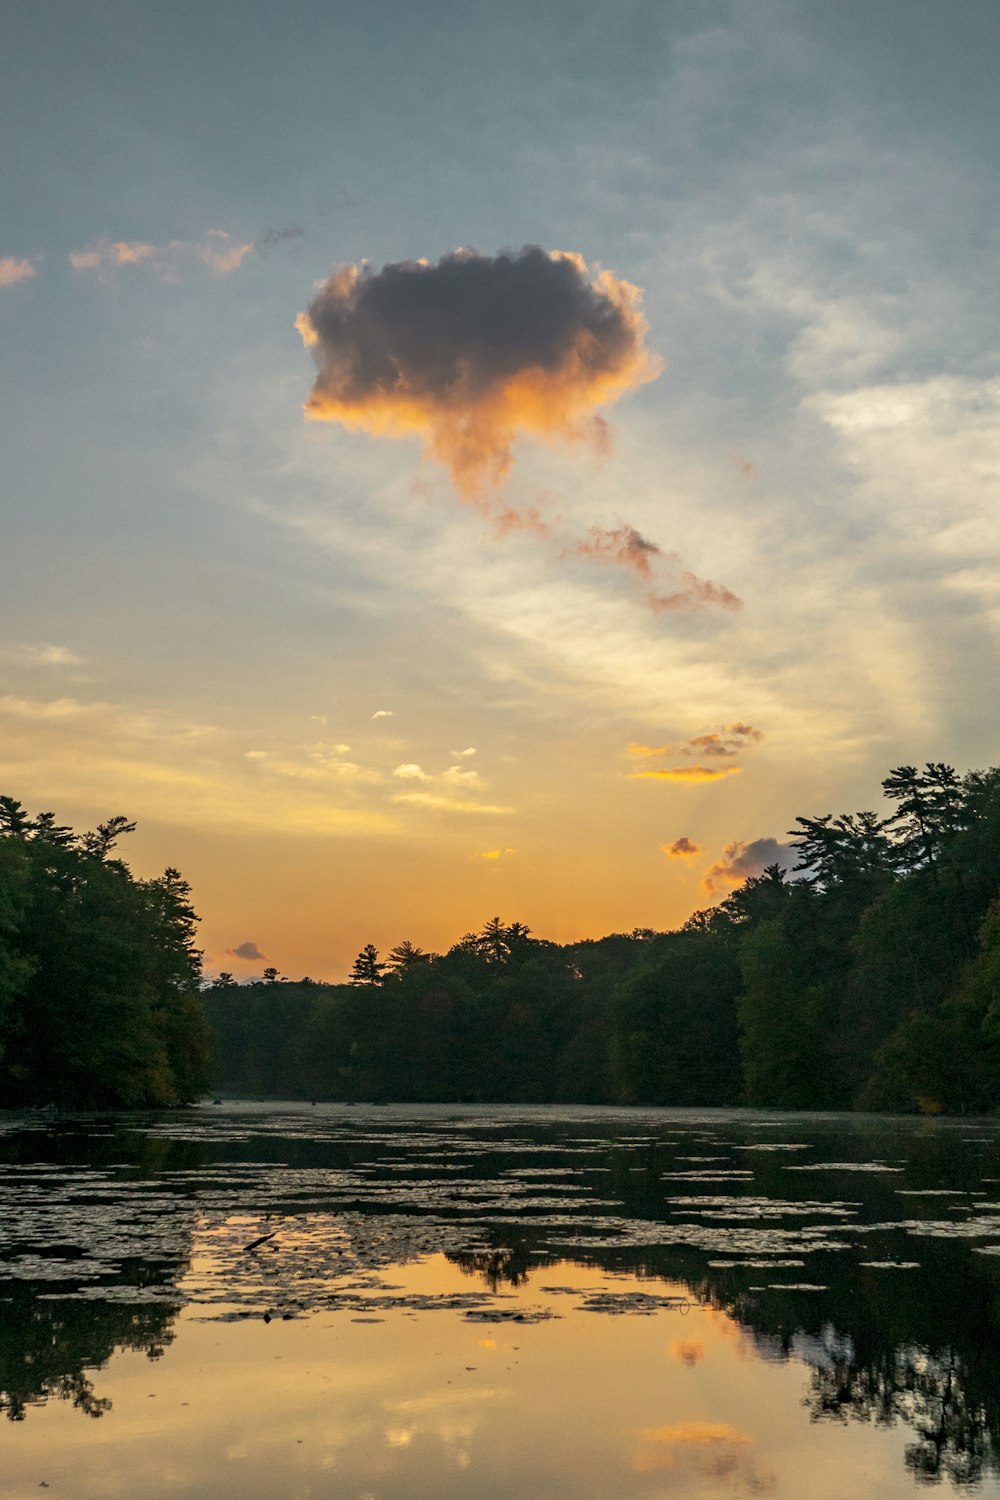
(99, 972)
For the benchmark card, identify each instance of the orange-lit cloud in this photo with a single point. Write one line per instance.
(718, 744)
(473, 351)
(522, 520)
(681, 848)
(686, 773)
(13, 270)
(740, 861)
(624, 545)
(217, 251)
(728, 742)
(688, 1351)
(695, 593)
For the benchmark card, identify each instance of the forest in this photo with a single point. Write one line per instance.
(99, 973)
(868, 978)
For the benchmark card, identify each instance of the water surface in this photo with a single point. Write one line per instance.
(382, 1302)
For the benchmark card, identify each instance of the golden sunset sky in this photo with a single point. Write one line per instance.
(391, 575)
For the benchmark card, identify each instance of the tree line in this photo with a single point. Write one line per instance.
(99, 973)
(868, 977)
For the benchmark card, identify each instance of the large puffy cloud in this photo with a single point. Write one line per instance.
(473, 350)
(741, 861)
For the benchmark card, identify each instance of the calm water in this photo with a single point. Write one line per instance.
(375, 1303)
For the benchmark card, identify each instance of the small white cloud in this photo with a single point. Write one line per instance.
(383, 713)
(410, 771)
(255, 755)
(464, 754)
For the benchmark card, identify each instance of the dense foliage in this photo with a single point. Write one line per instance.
(868, 978)
(99, 974)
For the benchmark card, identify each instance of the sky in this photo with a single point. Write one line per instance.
(469, 460)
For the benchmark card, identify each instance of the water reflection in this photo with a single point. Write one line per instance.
(853, 1248)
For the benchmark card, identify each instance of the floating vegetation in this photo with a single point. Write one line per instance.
(641, 1303)
(842, 1166)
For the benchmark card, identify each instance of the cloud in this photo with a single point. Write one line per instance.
(441, 802)
(681, 848)
(41, 656)
(726, 743)
(319, 766)
(741, 861)
(624, 546)
(460, 776)
(13, 270)
(411, 772)
(247, 951)
(464, 754)
(217, 251)
(53, 708)
(718, 744)
(521, 520)
(695, 593)
(383, 713)
(686, 773)
(494, 854)
(473, 351)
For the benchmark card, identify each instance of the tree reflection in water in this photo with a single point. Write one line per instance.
(47, 1346)
(955, 1437)
(495, 1266)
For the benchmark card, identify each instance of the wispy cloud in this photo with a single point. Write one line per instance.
(16, 268)
(718, 744)
(217, 252)
(40, 655)
(687, 773)
(624, 545)
(473, 351)
(384, 713)
(442, 802)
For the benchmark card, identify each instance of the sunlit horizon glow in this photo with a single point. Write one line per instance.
(673, 500)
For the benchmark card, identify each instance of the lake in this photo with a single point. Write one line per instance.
(393, 1302)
